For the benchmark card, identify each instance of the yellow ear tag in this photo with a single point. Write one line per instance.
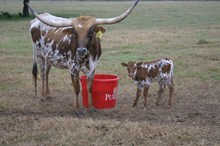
(99, 34)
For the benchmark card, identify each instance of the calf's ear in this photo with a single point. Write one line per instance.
(124, 64)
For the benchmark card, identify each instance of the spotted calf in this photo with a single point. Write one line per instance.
(144, 73)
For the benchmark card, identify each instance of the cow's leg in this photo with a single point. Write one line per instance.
(47, 86)
(171, 89)
(89, 89)
(138, 93)
(76, 86)
(43, 76)
(45, 69)
(160, 92)
(145, 95)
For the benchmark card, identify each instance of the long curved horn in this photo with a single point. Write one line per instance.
(54, 22)
(116, 19)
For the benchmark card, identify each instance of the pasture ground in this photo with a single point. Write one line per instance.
(187, 32)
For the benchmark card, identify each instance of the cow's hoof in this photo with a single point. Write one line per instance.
(49, 98)
(79, 113)
(92, 111)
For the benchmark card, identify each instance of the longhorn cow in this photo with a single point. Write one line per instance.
(68, 44)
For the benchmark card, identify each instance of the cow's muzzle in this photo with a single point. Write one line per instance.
(81, 52)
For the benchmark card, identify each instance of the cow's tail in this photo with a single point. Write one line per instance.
(35, 70)
(171, 71)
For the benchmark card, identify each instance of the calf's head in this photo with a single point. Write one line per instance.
(131, 68)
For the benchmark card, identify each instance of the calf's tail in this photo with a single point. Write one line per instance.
(172, 68)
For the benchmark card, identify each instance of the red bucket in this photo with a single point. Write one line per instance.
(104, 91)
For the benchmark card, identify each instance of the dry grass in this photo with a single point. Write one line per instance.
(176, 30)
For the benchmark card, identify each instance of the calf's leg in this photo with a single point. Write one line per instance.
(145, 95)
(138, 93)
(160, 92)
(171, 89)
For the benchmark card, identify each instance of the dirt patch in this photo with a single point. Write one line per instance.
(197, 108)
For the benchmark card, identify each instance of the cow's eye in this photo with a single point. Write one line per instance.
(90, 33)
(75, 33)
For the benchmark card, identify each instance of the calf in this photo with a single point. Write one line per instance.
(144, 73)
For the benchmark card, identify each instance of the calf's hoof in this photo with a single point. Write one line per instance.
(49, 98)
(170, 105)
(134, 105)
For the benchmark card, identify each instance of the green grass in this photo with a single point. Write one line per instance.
(187, 32)
(171, 30)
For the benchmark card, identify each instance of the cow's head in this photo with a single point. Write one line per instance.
(131, 68)
(84, 34)
(83, 28)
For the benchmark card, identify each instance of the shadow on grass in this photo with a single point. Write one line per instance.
(7, 16)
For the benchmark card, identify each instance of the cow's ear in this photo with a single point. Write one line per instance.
(99, 28)
(124, 64)
(69, 31)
